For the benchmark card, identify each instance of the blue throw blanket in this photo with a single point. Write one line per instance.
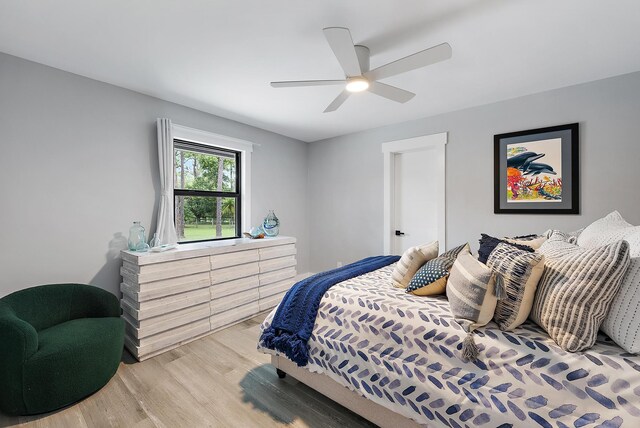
(294, 319)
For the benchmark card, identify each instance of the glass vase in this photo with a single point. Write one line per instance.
(137, 240)
(271, 224)
(155, 241)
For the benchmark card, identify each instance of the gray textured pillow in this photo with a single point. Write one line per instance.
(576, 289)
(517, 275)
(450, 256)
(471, 297)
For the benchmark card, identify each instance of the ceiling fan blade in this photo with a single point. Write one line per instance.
(339, 39)
(296, 83)
(417, 60)
(390, 92)
(338, 101)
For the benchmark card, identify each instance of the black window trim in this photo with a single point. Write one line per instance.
(211, 150)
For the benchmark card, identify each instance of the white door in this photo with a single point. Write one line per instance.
(415, 198)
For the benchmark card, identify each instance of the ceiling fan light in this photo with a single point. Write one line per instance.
(357, 85)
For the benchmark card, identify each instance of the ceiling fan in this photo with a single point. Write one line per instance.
(354, 60)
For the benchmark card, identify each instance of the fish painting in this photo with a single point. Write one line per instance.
(534, 171)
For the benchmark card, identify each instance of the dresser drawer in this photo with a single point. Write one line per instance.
(231, 287)
(276, 287)
(234, 300)
(232, 259)
(234, 272)
(166, 287)
(270, 302)
(155, 325)
(277, 275)
(277, 251)
(158, 342)
(153, 308)
(277, 264)
(161, 271)
(229, 317)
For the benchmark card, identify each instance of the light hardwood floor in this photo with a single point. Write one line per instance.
(220, 380)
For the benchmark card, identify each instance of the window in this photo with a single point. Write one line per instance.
(207, 192)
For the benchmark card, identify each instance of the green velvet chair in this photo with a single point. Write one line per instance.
(58, 344)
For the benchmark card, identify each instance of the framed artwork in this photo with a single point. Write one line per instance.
(537, 171)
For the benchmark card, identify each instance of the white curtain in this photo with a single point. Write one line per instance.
(166, 229)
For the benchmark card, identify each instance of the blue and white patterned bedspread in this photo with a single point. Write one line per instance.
(402, 351)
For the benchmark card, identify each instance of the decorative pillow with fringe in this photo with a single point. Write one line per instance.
(488, 243)
(411, 261)
(517, 275)
(533, 241)
(472, 300)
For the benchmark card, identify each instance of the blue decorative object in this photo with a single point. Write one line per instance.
(271, 224)
(294, 319)
(256, 231)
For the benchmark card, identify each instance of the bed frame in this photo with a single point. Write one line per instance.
(353, 401)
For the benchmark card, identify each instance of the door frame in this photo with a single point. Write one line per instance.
(390, 149)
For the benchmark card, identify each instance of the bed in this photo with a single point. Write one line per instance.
(401, 353)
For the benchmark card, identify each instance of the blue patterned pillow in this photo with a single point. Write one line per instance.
(430, 279)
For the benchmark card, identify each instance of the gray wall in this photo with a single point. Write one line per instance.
(345, 175)
(78, 160)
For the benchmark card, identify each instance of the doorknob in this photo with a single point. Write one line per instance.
(398, 233)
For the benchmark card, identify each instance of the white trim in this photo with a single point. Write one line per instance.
(243, 146)
(435, 142)
(206, 137)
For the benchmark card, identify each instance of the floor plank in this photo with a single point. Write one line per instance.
(220, 380)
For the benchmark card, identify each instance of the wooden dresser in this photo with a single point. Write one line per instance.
(174, 297)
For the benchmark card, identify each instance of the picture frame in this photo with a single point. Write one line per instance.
(537, 171)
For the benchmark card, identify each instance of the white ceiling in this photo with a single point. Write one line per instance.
(219, 56)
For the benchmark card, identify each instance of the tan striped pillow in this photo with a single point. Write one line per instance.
(519, 273)
(576, 289)
(411, 261)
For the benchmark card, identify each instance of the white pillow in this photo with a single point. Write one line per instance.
(610, 229)
(622, 323)
(411, 261)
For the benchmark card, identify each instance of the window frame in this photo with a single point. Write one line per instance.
(182, 144)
